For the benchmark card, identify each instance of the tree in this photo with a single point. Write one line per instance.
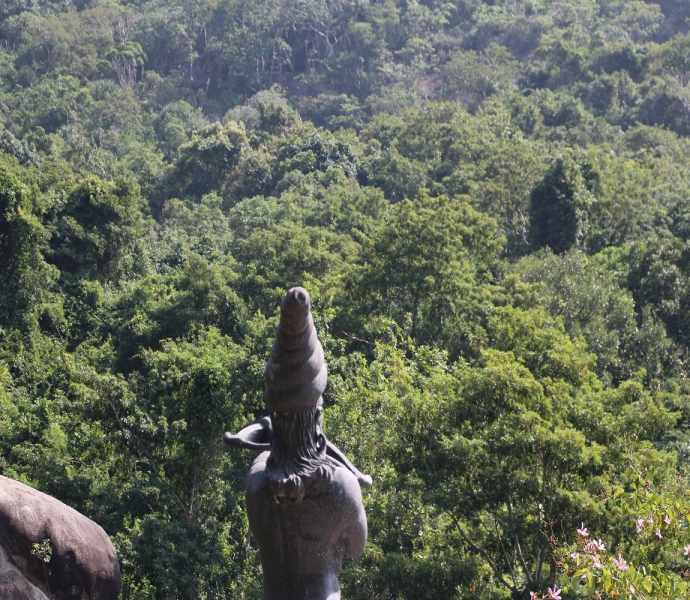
(420, 267)
(660, 279)
(513, 171)
(559, 206)
(128, 59)
(52, 104)
(586, 293)
(170, 437)
(649, 564)
(98, 232)
(476, 463)
(25, 278)
(474, 76)
(208, 159)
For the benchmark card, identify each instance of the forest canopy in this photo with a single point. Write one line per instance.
(489, 203)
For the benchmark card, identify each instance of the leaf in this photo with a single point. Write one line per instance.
(606, 580)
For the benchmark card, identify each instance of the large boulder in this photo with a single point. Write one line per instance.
(49, 550)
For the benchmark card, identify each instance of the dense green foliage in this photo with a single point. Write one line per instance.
(490, 205)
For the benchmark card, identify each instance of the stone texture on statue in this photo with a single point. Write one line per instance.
(83, 563)
(303, 496)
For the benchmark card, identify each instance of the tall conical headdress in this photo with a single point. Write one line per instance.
(296, 373)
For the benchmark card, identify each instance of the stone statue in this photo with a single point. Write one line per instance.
(303, 496)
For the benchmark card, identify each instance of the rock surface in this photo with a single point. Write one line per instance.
(82, 564)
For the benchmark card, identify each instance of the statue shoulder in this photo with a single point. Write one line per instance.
(345, 485)
(351, 509)
(255, 477)
(259, 463)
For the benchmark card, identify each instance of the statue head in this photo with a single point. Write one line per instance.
(295, 378)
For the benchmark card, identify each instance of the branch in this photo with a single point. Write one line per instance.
(132, 472)
(503, 550)
(192, 493)
(541, 556)
(148, 455)
(357, 339)
(484, 553)
(522, 560)
(525, 568)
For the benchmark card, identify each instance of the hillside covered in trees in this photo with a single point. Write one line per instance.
(489, 202)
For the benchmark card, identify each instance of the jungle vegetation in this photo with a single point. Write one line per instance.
(489, 202)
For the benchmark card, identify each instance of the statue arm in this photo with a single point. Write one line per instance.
(254, 437)
(355, 535)
(258, 437)
(333, 451)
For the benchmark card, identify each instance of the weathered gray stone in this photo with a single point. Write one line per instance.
(303, 496)
(13, 584)
(83, 563)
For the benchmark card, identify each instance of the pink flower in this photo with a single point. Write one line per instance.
(640, 524)
(533, 596)
(555, 594)
(687, 550)
(658, 534)
(620, 563)
(596, 563)
(583, 531)
(650, 520)
(667, 519)
(575, 555)
(595, 545)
